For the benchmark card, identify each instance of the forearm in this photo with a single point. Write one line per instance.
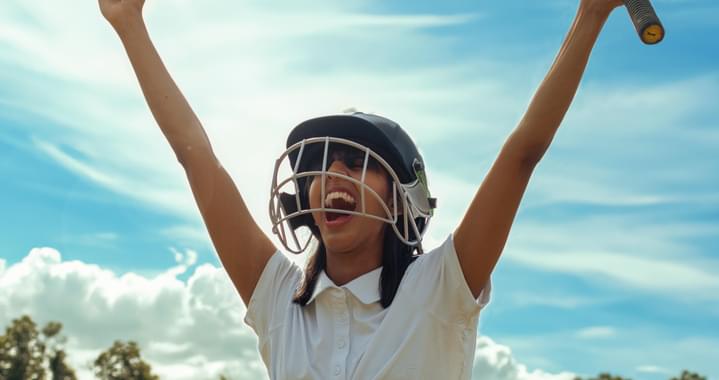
(554, 96)
(171, 111)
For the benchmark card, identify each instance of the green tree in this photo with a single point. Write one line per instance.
(54, 342)
(686, 375)
(122, 361)
(608, 376)
(604, 376)
(21, 352)
(26, 354)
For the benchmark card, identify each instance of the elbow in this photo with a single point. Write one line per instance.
(533, 154)
(182, 154)
(188, 154)
(528, 152)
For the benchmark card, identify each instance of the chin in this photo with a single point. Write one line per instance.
(338, 243)
(348, 240)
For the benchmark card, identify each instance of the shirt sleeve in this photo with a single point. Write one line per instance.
(441, 280)
(272, 296)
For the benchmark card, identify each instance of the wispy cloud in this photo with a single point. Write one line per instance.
(689, 278)
(96, 239)
(596, 332)
(561, 301)
(653, 369)
(187, 234)
(248, 84)
(154, 194)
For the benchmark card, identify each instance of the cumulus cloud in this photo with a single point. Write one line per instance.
(189, 329)
(494, 361)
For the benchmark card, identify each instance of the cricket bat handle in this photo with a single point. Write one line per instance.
(645, 20)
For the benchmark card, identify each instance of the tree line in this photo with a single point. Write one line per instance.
(27, 353)
(685, 375)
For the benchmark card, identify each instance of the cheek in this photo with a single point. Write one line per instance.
(313, 194)
(379, 185)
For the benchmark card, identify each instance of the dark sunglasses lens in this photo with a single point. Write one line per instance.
(351, 157)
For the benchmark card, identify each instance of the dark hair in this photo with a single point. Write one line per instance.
(396, 257)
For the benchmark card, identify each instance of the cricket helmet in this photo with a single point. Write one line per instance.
(380, 141)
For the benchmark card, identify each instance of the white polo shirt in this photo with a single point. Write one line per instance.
(428, 332)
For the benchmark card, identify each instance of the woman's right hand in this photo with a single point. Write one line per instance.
(119, 12)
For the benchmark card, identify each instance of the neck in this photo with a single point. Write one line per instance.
(343, 267)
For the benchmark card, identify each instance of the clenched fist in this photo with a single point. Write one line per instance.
(120, 12)
(603, 7)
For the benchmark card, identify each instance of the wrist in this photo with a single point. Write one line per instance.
(589, 13)
(129, 25)
(596, 10)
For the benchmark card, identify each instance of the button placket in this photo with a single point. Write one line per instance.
(341, 325)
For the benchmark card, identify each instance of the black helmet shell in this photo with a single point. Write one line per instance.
(382, 135)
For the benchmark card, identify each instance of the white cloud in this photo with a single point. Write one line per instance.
(187, 234)
(188, 259)
(197, 321)
(248, 62)
(653, 369)
(562, 301)
(254, 59)
(621, 252)
(595, 332)
(672, 278)
(186, 329)
(157, 195)
(493, 361)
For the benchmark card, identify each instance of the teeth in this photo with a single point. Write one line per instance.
(338, 195)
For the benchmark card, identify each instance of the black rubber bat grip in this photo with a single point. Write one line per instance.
(645, 20)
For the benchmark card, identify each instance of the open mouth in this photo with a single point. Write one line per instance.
(339, 200)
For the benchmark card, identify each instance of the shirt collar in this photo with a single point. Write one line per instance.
(364, 287)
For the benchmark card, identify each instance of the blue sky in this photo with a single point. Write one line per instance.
(611, 263)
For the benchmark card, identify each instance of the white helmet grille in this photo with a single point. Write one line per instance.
(286, 203)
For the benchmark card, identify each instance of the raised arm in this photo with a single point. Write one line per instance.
(242, 246)
(481, 235)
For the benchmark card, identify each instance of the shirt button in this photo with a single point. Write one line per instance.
(341, 343)
(337, 370)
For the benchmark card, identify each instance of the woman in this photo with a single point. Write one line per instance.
(366, 307)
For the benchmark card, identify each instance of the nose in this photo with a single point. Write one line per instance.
(337, 166)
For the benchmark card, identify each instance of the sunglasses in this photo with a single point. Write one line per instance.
(351, 157)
